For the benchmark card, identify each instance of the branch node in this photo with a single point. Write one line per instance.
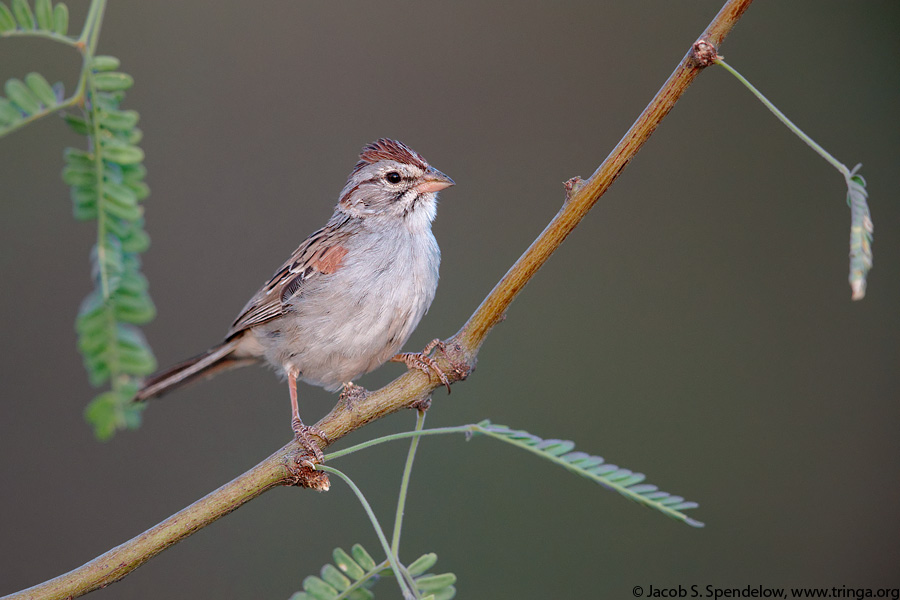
(302, 471)
(704, 53)
(352, 395)
(462, 366)
(422, 404)
(572, 186)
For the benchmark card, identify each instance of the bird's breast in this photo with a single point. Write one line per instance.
(350, 322)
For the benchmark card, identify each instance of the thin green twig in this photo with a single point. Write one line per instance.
(399, 436)
(87, 44)
(91, 31)
(404, 484)
(841, 167)
(45, 35)
(395, 563)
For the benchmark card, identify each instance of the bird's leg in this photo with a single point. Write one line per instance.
(302, 431)
(423, 362)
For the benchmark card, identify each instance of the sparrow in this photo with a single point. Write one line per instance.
(349, 296)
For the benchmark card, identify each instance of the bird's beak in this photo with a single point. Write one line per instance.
(433, 181)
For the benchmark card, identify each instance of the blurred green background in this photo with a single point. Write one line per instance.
(696, 327)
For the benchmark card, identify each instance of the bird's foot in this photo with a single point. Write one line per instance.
(302, 434)
(423, 362)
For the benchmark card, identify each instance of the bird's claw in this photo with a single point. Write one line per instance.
(423, 362)
(302, 434)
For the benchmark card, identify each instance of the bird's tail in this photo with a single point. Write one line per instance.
(216, 359)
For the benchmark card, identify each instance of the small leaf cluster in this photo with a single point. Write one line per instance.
(45, 17)
(28, 100)
(861, 232)
(107, 186)
(353, 575)
(595, 468)
(34, 97)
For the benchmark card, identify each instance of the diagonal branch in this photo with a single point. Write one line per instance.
(289, 466)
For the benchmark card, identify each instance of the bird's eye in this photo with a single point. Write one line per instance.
(393, 177)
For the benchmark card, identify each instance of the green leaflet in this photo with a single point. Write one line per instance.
(120, 151)
(105, 63)
(60, 19)
(113, 82)
(41, 89)
(422, 564)
(435, 583)
(43, 12)
(363, 558)
(22, 97)
(347, 564)
(23, 14)
(7, 21)
(9, 113)
(118, 120)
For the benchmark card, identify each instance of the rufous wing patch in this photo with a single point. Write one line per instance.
(330, 260)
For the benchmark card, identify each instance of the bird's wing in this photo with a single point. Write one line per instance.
(322, 253)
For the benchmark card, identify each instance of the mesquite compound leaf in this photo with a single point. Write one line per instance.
(107, 185)
(595, 468)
